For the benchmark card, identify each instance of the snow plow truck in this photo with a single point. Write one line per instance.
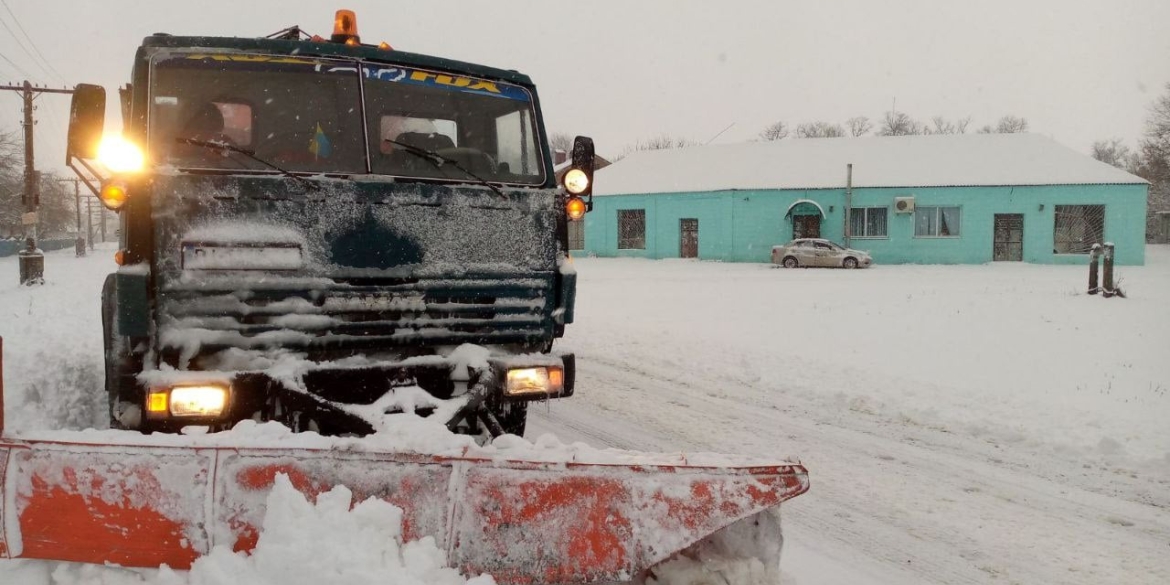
(327, 234)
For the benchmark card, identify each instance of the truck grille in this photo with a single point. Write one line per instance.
(355, 314)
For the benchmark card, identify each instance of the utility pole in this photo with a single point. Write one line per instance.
(89, 220)
(31, 196)
(32, 190)
(77, 203)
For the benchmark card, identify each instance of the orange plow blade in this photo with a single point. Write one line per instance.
(521, 521)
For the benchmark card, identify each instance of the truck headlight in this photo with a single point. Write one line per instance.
(188, 401)
(120, 155)
(576, 181)
(542, 380)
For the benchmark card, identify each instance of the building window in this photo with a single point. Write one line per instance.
(1077, 228)
(632, 229)
(936, 222)
(577, 235)
(867, 222)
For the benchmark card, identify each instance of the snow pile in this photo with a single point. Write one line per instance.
(53, 373)
(326, 543)
(329, 543)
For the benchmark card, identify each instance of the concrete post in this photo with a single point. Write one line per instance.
(1107, 289)
(32, 264)
(1094, 268)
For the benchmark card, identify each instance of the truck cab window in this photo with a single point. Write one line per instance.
(304, 114)
(485, 127)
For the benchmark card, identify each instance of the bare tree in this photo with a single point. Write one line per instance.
(1115, 153)
(11, 183)
(660, 142)
(56, 212)
(819, 129)
(561, 141)
(899, 124)
(1007, 125)
(1154, 159)
(858, 126)
(941, 125)
(663, 142)
(776, 131)
(56, 215)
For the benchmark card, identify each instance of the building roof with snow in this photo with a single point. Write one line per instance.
(889, 161)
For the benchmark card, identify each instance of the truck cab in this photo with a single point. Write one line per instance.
(328, 234)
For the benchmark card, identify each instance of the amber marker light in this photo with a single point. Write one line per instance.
(113, 195)
(345, 26)
(157, 402)
(120, 257)
(575, 208)
(576, 181)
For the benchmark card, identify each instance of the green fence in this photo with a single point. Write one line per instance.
(11, 247)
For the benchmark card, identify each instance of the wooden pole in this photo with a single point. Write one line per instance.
(1, 386)
(1094, 268)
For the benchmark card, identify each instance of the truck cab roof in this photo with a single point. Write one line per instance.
(330, 49)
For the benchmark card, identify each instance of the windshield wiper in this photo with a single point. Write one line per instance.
(439, 160)
(216, 145)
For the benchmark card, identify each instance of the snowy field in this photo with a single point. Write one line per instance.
(961, 424)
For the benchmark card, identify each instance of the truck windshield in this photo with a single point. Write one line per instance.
(486, 127)
(306, 115)
(301, 114)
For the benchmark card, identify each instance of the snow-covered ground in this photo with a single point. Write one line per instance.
(961, 424)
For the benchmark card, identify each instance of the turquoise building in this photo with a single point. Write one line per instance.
(953, 199)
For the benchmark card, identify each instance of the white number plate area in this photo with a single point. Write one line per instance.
(220, 257)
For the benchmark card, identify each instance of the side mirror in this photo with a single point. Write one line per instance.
(583, 154)
(87, 119)
(583, 162)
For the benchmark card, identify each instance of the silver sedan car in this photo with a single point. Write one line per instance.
(809, 252)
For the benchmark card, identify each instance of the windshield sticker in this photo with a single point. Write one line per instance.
(444, 81)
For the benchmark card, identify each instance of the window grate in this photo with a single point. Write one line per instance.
(1077, 228)
(632, 229)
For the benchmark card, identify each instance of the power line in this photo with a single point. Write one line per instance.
(20, 44)
(18, 68)
(31, 42)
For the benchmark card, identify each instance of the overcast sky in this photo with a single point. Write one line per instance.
(620, 71)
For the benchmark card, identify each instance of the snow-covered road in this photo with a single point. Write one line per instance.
(1041, 457)
(963, 424)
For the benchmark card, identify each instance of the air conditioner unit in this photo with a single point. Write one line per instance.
(904, 204)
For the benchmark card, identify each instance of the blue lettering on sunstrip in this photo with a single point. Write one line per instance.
(444, 81)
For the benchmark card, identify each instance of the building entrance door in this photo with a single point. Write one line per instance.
(688, 238)
(1009, 237)
(806, 226)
